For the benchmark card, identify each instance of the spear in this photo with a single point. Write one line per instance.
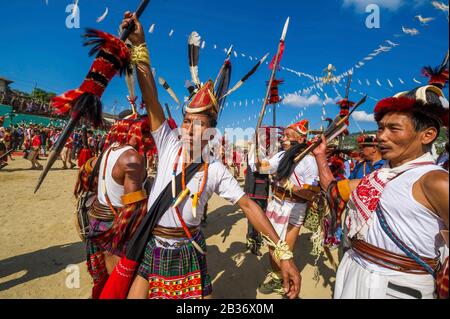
(337, 127)
(6, 154)
(349, 82)
(78, 113)
(132, 98)
(169, 114)
(169, 90)
(272, 77)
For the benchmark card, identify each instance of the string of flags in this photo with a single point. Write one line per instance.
(385, 47)
(318, 84)
(319, 91)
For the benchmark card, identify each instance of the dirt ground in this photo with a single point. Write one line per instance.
(41, 255)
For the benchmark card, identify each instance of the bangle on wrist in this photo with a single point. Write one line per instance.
(140, 54)
(281, 250)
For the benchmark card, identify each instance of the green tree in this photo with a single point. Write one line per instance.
(42, 95)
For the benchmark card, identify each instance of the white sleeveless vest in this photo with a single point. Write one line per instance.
(113, 189)
(417, 226)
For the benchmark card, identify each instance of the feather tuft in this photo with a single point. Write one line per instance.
(194, 54)
(99, 41)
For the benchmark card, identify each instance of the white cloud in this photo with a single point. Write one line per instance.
(301, 101)
(332, 101)
(298, 100)
(362, 116)
(392, 5)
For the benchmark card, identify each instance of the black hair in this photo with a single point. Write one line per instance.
(287, 163)
(427, 114)
(212, 121)
(122, 115)
(424, 121)
(424, 115)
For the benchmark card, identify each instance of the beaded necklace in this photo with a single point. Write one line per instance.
(186, 191)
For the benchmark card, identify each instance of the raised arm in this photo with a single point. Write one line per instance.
(146, 81)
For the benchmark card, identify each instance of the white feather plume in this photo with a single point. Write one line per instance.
(103, 16)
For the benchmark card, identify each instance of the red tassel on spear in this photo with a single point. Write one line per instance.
(112, 58)
(273, 65)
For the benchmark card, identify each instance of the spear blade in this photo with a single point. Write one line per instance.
(285, 29)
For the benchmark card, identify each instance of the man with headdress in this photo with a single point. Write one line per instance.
(35, 148)
(237, 162)
(371, 157)
(336, 161)
(85, 153)
(175, 251)
(257, 187)
(397, 214)
(120, 201)
(66, 153)
(344, 109)
(294, 187)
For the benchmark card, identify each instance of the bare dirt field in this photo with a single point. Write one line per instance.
(40, 244)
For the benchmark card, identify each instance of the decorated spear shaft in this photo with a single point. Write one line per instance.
(334, 127)
(169, 114)
(338, 123)
(76, 115)
(6, 154)
(272, 77)
(347, 90)
(126, 33)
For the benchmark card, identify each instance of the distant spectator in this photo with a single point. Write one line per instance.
(44, 141)
(34, 151)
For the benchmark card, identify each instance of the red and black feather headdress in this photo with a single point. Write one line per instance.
(428, 100)
(439, 75)
(112, 57)
(134, 126)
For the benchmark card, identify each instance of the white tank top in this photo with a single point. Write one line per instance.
(417, 226)
(114, 190)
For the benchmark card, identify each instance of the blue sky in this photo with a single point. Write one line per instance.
(37, 47)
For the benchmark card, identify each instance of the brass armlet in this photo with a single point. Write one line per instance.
(344, 189)
(135, 197)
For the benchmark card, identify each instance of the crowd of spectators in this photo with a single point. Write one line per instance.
(31, 140)
(26, 104)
